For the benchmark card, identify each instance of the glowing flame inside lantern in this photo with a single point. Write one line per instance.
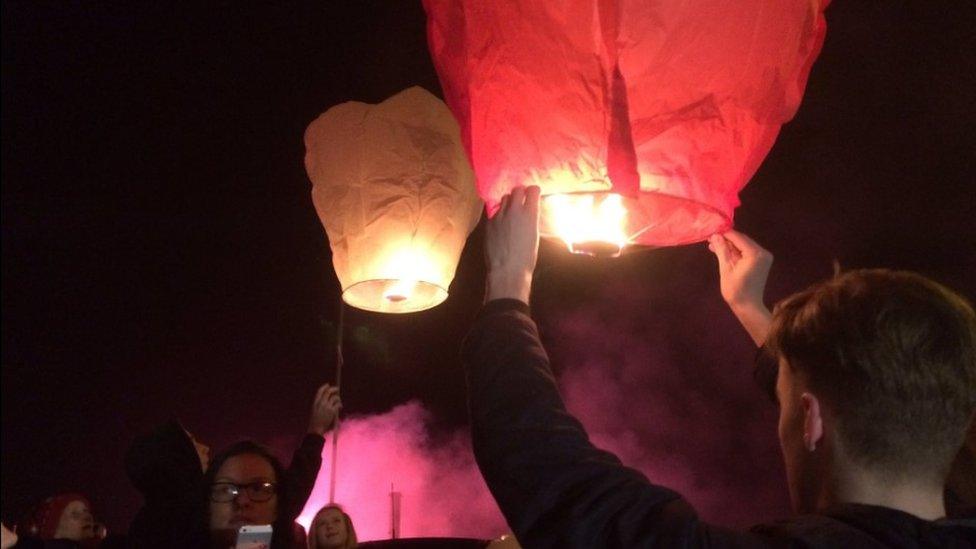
(588, 223)
(405, 270)
(404, 281)
(399, 290)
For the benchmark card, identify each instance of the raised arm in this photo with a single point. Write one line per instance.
(307, 459)
(743, 266)
(554, 487)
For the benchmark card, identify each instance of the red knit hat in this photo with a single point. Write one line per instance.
(43, 521)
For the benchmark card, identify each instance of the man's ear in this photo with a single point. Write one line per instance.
(812, 421)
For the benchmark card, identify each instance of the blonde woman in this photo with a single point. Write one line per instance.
(331, 529)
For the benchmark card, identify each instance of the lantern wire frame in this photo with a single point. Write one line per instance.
(608, 224)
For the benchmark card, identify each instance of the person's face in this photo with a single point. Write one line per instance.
(330, 529)
(243, 470)
(802, 468)
(76, 522)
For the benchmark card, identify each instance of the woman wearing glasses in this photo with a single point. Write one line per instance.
(247, 485)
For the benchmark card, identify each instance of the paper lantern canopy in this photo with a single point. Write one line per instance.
(641, 121)
(396, 195)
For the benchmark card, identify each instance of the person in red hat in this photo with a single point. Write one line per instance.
(66, 517)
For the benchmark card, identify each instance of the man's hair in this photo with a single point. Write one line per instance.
(892, 355)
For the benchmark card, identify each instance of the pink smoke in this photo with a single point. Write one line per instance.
(443, 492)
(667, 388)
(680, 408)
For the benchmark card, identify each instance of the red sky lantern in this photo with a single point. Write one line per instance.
(640, 120)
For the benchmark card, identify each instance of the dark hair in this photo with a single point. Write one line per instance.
(892, 354)
(283, 532)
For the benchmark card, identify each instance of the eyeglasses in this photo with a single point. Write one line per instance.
(223, 492)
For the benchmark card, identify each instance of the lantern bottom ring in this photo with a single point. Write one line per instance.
(393, 295)
(596, 248)
(606, 224)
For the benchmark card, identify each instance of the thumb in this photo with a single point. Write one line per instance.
(720, 247)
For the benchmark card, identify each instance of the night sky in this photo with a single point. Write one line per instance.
(162, 258)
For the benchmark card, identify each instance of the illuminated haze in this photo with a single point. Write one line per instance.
(654, 366)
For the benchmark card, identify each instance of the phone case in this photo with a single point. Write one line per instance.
(254, 537)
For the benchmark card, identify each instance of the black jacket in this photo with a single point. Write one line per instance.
(557, 490)
(165, 468)
(302, 472)
(300, 480)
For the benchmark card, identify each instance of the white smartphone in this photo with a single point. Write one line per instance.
(254, 536)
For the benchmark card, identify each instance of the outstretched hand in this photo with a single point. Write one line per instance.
(743, 267)
(325, 410)
(512, 245)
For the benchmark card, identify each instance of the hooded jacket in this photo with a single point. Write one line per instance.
(165, 468)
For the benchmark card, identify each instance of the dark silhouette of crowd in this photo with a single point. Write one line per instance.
(193, 501)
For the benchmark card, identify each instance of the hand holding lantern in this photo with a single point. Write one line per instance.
(512, 245)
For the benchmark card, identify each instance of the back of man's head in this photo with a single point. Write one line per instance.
(892, 355)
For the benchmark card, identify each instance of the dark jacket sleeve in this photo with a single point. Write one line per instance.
(554, 487)
(302, 472)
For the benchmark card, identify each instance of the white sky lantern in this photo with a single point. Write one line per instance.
(396, 195)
